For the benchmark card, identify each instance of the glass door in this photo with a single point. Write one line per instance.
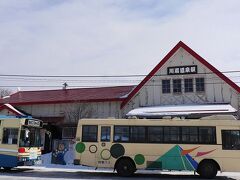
(104, 155)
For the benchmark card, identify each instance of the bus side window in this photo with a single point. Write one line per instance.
(155, 134)
(231, 139)
(10, 136)
(207, 135)
(189, 134)
(121, 134)
(138, 134)
(105, 133)
(171, 134)
(89, 133)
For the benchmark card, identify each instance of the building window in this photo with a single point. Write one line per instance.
(105, 133)
(69, 132)
(10, 136)
(89, 133)
(121, 133)
(188, 85)
(231, 139)
(166, 86)
(200, 85)
(177, 85)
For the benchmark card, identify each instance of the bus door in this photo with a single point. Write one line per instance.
(103, 153)
(8, 145)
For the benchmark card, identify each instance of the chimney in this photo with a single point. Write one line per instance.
(65, 85)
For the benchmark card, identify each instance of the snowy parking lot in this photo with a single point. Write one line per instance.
(53, 171)
(73, 172)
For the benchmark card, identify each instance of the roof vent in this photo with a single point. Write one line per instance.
(65, 85)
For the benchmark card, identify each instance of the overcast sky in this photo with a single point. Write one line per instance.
(112, 37)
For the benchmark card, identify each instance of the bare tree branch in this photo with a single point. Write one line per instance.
(5, 92)
(77, 111)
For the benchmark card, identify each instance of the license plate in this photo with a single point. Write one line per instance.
(33, 155)
(38, 162)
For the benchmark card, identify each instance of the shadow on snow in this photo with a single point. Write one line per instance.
(28, 172)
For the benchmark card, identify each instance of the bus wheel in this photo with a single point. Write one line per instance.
(207, 169)
(125, 167)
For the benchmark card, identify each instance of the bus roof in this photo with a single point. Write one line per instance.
(216, 120)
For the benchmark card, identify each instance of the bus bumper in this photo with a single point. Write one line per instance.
(29, 162)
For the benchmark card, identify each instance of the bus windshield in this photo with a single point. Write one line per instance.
(30, 137)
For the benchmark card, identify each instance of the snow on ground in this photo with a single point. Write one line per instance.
(46, 158)
(69, 167)
(68, 158)
(47, 165)
(84, 169)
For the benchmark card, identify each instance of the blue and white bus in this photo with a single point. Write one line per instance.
(20, 143)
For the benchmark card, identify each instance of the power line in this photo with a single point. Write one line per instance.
(91, 86)
(91, 76)
(96, 80)
(115, 80)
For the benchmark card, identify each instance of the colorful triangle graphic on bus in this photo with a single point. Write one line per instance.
(174, 160)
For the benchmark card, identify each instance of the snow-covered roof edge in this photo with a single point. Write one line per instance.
(182, 110)
(12, 109)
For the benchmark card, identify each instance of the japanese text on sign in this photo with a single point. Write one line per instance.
(182, 70)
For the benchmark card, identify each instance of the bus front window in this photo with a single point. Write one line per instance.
(30, 137)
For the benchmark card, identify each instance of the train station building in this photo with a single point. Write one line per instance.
(182, 77)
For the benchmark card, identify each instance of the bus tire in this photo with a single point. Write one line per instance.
(207, 169)
(125, 167)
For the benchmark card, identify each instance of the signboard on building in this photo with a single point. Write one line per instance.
(192, 69)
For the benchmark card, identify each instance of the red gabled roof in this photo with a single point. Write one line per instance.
(103, 94)
(167, 57)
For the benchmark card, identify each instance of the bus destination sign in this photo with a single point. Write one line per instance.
(34, 123)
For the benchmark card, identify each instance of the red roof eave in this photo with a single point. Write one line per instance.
(67, 101)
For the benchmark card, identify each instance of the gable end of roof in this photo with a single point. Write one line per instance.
(166, 58)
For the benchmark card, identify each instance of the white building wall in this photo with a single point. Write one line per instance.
(6, 112)
(216, 90)
(98, 109)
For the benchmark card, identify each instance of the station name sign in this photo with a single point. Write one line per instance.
(182, 70)
(34, 123)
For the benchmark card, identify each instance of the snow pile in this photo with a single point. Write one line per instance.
(46, 158)
(68, 158)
